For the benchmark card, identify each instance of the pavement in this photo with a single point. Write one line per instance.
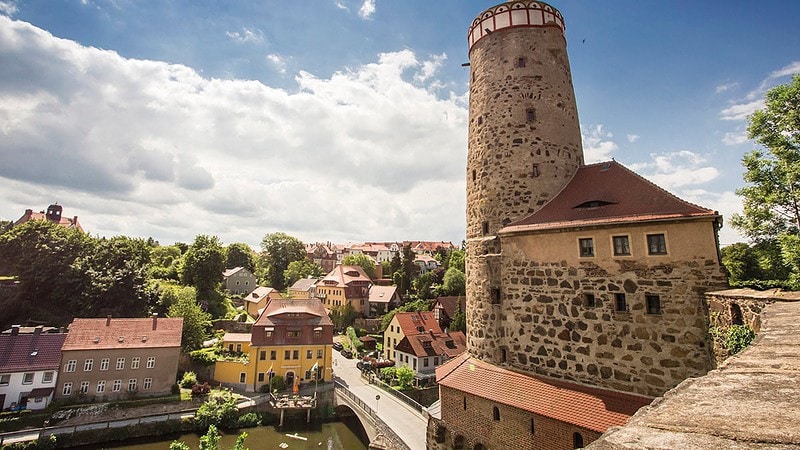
(406, 422)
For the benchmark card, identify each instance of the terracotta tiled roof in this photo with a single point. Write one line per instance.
(280, 311)
(110, 333)
(433, 344)
(410, 322)
(587, 407)
(66, 222)
(382, 294)
(30, 352)
(605, 193)
(450, 304)
(342, 276)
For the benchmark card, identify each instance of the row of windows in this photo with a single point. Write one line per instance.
(656, 245)
(652, 302)
(288, 354)
(100, 387)
(291, 334)
(27, 378)
(261, 375)
(88, 364)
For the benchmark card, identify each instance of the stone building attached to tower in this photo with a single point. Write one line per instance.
(584, 282)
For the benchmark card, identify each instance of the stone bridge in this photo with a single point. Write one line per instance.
(380, 435)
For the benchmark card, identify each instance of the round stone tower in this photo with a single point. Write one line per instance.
(524, 144)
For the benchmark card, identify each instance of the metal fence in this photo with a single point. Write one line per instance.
(399, 395)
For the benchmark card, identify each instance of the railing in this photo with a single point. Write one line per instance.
(361, 404)
(399, 395)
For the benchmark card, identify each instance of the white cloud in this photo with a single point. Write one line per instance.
(367, 9)
(726, 203)
(8, 7)
(725, 87)
(430, 67)
(277, 61)
(147, 148)
(742, 110)
(341, 5)
(754, 100)
(677, 169)
(735, 138)
(597, 143)
(633, 138)
(247, 35)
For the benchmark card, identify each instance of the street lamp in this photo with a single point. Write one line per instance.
(377, 397)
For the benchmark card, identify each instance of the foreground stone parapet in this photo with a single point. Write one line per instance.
(751, 402)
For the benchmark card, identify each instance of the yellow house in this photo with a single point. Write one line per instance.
(407, 324)
(345, 285)
(289, 339)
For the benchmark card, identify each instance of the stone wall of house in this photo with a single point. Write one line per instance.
(476, 425)
(542, 324)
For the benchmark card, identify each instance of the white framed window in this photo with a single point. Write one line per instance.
(135, 362)
(116, 386)
(101, 386)
(151, 362)
(120, 363)
(27, 378)
(5, 379)
(47, 377)
(70, 367)
(132, 385)
(147, 384)
(84, 387)
(88, 364)
(104, 364)
(67, 389)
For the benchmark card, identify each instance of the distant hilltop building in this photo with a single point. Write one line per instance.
(585, 283)
(53, 214)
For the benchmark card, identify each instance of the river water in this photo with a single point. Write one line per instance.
(326, 436)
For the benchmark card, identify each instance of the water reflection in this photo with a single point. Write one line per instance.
(328, 436)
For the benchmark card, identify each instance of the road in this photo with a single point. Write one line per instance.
(409, 425)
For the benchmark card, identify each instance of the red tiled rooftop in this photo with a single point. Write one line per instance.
(29, 352)
(434, 344)
(608, 192)
(451, 303)
(411, 321)
(91, 334)
(342, 276)
(279, 311)
(587, 407)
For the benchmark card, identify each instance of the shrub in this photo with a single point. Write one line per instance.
(200, 389)
(189, 379)
(738, 337)
(205, 356)
(248, 420)
(277, 383)
(219, 409)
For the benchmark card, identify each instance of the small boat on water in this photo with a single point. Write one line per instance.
(297, 436)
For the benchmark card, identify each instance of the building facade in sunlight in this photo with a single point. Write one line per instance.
(584, 282)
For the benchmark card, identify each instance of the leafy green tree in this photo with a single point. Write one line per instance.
(457, 260)
(459, 320)
(343, 316)
(423, 285)
(113, 275)
(240, 254)
(408, 270)
(742, 262)
(41, 254)
(278, 250)
(219, 410)
(196, 322)
(455, 282)
(165, 262)
(363, 261)
(394, 265)
(405, 377)
(210, 440)
(203, 264)
(5, 225)
(301, 269)
(771, 198)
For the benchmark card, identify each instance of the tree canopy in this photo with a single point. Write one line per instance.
(240, 254)
(363, 261)
(301, 269)
(280, 249)
(771, 198)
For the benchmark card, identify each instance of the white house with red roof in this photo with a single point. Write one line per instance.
(423, 352)
(29, 365)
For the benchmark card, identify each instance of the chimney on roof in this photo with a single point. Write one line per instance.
(38, 330)
(108, 320)
(74, 219)
(14, 330)
(155, 320)
(28, 212)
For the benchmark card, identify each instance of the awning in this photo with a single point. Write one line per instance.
(40, 393)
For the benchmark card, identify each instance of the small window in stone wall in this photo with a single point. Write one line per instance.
(535, 172)
(495, 413)
(495, 293)
(577, 440)
(533, 425)
(586, 246)
(503, 355)
(530, 115)
(522, 62)
(458, 443)
(465, 403)
(480, 120)
(653, 304)
(736, 315)
(589, 300)
(485, 227)
(474, 175)
(620, 302)
(441, 434)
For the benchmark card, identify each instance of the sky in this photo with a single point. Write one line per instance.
(346, 120)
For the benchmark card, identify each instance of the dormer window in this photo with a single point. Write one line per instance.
(594, 204)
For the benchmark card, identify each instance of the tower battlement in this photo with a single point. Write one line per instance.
(514, 14)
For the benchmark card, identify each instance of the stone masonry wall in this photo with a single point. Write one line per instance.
(543, 326)
(476, 425)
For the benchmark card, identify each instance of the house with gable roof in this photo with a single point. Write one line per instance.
(257, 300)
(238, 280)
(53, 214)
(109, 359)
(345, 285)
(405, 324)
(445, 308)
(29, 365)
(423, 352)
(304, 288)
